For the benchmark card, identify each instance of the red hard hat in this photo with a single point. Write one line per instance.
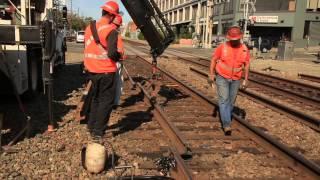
(111, 7)
(234, 33)
(117, 20)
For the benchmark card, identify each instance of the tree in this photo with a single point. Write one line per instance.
(140, 36)
(79, 23)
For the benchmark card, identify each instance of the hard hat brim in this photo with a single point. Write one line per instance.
(111, 12)
(234, 37)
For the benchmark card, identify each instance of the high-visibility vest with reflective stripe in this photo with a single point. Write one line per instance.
(230, 65)
(96, 58)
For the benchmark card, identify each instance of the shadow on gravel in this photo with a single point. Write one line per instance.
(132, 120)
(132, 100)
(171, 94)
(67, 81)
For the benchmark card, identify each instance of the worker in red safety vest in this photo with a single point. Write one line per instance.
(227, 64)
(100, 57)
(119, 77)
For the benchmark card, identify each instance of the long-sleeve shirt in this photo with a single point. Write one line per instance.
(112, 41)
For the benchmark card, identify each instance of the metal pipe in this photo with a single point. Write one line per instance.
(29, 4)
(52, 123)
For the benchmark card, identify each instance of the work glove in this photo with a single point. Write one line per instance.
(244, 84)
(211, 80)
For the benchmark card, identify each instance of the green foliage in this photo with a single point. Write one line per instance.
(140, 36)
(79, 23)
(184, 33)
(127, 34)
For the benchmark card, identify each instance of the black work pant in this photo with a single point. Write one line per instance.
(102, 93)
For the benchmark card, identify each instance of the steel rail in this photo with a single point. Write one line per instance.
(285, 92)
(294, 159)
(306, 119)
(178, 149)
(170, 130)
(295, 83)
(204, 62)
(309, 77)
(181, 171)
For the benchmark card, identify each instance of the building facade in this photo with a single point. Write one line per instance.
(294, 20)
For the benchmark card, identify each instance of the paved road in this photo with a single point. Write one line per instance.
(75, 47)
(75, 52)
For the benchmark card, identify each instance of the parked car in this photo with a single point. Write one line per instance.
(80, 37)
(265, 45)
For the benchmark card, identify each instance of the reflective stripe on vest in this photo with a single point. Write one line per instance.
(231, 62)
(96, 57)
(229, 68)
(91, 39)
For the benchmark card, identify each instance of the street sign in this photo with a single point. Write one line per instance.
(265, 19)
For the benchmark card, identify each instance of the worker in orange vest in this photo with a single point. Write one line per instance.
(226, 68)
(100, 57)
(119, 78)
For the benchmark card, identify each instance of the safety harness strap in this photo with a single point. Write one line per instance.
(94, 32)
(95, 37)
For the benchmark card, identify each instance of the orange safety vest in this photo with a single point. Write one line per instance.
(96, 58)
(230, 65)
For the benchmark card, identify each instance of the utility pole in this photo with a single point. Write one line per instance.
(70, 14)
(248, 7)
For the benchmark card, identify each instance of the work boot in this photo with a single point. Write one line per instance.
(227, 131)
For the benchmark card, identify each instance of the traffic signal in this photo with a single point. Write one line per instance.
(64, 12)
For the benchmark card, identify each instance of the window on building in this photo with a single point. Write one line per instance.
(167, 4)
(175, 17)
(312, 29)
(228, 7)
(225, 27)
(194, 12)
(176, 2)
(203, 10)
(313, 5)
(187, 13)
(180, 14)
(171, 3)
(215, 10)
(272, 5)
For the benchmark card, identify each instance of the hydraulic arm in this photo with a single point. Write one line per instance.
(154, 27)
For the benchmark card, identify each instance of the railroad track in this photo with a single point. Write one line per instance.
(309, 77)
(297, 100)
(190, 114)
(189, 130)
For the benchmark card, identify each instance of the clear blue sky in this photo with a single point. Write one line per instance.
(91, 8)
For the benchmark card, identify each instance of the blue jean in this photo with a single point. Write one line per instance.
(227, 90)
